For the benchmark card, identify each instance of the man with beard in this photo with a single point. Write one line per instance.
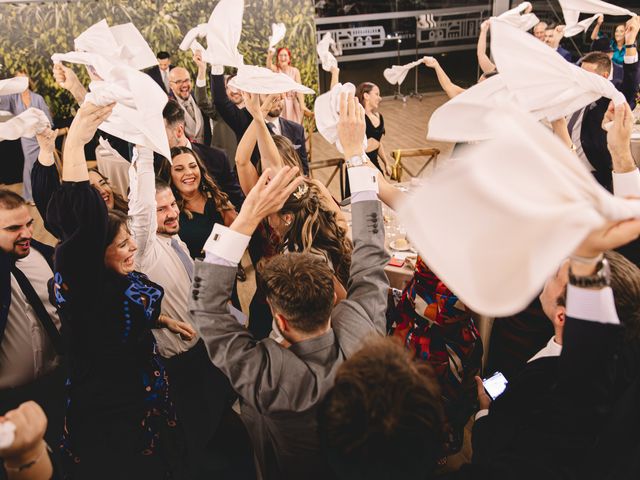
(197, 125)
(30, 342)
(201, 393)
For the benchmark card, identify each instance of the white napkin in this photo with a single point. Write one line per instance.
(327, 113)
(120, 44)
(13, 85)
(515, 17)
(223, 34)
(327, 59)
(508, 212)
(27, 124)
(137, 116)
(533, 77)
(396, 74)
(253, 79)
(278, 31)
(571, 10)
(7, 434)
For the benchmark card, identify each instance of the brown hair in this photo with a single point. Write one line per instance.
(119, 203)
(115, 220)
(10, 200)
(287, 152)
(300, 287)
(207, 187)
(625, 283)
(363, 88)
(383, 405)
(314, 227)
(601, 60)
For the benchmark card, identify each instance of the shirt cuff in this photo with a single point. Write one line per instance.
(631, 58)
(627, 184)
(482, 413)
(217, 69)
(225, 244)
(592, 305)
(363, 196)
(363, 179)
(201, 82)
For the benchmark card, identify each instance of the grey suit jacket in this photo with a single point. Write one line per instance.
(280, 388)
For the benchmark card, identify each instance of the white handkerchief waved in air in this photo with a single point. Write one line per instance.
(120, 43)
(137, 116)
(253, 79)
(516, 206)
(7, 434)
(533, 77)
(223, 33)
(13, 85)
(327, 59)
(520, 20)
(396, 74)
(571, 10)
(327, 113)
(278, 31)
(27, 124)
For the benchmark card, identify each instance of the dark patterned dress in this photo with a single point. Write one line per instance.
(119, 415)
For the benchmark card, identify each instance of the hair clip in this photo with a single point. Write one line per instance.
(301, 191)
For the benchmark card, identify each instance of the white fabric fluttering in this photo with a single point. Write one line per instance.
(13, 85)
(7, 434)
(122, 44)
(253, 79)
(278, 31)
(137, 116)
(533, 77)
(518, 19)
(507, 211)
(571, 10)
(327, 59)
(223, 33)
(327, 114)
(27, 124)
(397, 73)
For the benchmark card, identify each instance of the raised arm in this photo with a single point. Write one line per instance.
(67, 79)
(200, 91)
(249, 365)
(142, 202)
(486, 65)
(630, 85)
(335, 77)
(596, 28)
(247, 173)
(231, 114)
(270, 64)
(450, 88)
(269, 154)
(364, 309)
(45, 179)
(626, 177)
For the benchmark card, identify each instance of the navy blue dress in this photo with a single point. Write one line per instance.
(119, 414)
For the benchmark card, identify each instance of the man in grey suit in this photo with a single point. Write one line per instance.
(280, 387)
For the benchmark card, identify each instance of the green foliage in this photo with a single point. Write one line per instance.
(33, 32)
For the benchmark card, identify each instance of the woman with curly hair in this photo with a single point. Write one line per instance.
(202, 204)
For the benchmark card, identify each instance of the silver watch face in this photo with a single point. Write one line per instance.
(356, 161)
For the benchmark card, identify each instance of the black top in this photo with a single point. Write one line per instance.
(195, 231)
(116, 377)
(376, 133)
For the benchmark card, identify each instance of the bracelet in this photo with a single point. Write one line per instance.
(631, 45)
(29, 464)
(587, 260)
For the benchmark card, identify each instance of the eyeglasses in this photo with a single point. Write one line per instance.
(181, 82)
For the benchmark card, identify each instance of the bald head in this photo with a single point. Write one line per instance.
(180, 82)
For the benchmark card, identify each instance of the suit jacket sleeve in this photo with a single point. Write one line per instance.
(229, 181)
(204, 104)
(630, 84)
(302, 151)
(253, 368)
(231, 114)
(363, 311)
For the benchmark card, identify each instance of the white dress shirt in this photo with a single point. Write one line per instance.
(26, 352)
(156, 257)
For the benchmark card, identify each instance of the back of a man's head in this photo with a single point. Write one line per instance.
(299, 286)
(625, 283)
(597, 62)
(173, 113)
(383, 419)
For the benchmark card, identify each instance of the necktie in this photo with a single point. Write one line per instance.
(189, 108)
(573, 120)
(184, 258)
(38, 307)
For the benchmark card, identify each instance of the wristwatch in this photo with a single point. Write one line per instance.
(357, 161)
(600, 279)
(631, 45)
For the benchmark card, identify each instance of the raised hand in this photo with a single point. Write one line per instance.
(28, 445)
(618, 122)
(252, 104)
(266, 197)
(86, 122)
(631, 30)
(351, 126)
(65, 77)
(430, 62)
(47, 141)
